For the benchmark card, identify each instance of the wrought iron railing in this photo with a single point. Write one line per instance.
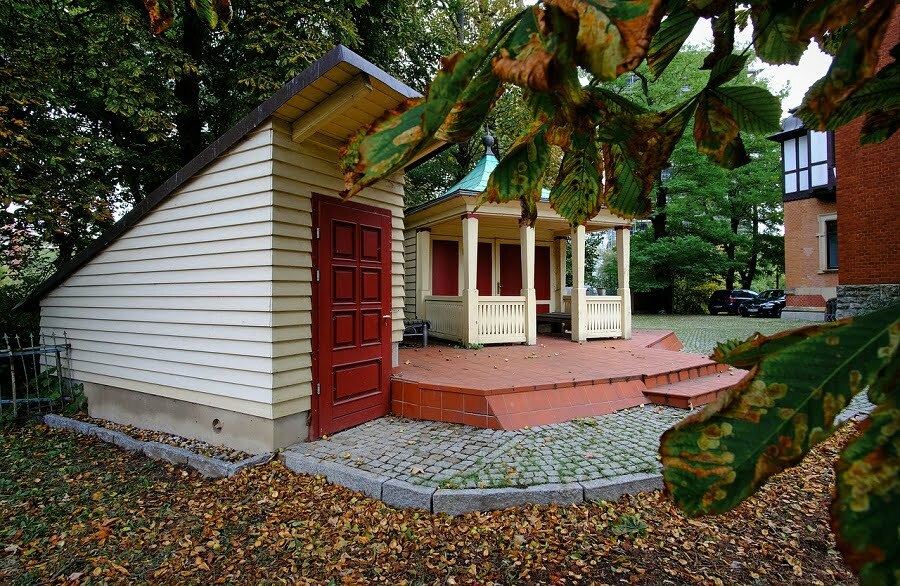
(35, 377)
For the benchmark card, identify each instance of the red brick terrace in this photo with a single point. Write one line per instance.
(511, 387)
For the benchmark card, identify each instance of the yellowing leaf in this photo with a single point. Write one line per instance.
(787, 404)
(521, 172)
(613, 37)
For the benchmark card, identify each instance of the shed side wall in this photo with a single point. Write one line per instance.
(181, 306)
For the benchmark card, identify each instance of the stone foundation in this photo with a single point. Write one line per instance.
(803, 313)
(860, 299)
(248, 433)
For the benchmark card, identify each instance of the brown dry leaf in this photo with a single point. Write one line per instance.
(190, 530)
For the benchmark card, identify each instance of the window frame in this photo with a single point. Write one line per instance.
(807, 169)
(824, 221)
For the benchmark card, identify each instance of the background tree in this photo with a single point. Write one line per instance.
(97, 111)
(716, 224)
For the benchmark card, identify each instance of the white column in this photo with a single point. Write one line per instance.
(579, 292)
(561, 273)
(470, 278)
(623, 260)
(423, 270)
(526, 245)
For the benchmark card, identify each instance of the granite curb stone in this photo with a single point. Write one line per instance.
(300, 463)
(362, 481)
(208, 467)
(253, 461)
(128, 443)
(60, 422)
(167, 453)
(404, 495)
(611, 489)
(211, 467)
(468, 500)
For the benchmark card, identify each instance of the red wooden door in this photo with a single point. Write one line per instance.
(510, 269)
(352, 321)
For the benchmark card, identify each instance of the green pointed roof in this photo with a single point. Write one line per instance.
(476, 180)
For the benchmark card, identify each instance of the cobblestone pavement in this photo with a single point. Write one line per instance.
(445, 455)
(701, 333)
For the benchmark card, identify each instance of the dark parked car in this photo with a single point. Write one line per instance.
(769, 303)
(729, 300)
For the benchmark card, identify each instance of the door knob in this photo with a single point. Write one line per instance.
(386, 316)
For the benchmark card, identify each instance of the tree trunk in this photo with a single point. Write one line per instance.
(750, 274)
(189, 121)
(730, 250)
(664, 299)
(659, 219)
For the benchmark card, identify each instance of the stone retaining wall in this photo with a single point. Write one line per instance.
(860, 299)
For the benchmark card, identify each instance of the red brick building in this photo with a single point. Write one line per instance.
(841, 216)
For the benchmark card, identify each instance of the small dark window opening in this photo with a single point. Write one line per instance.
(831, 244)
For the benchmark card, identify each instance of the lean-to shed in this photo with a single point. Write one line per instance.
(242, 302)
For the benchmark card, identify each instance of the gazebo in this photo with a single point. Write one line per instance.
(479, 277)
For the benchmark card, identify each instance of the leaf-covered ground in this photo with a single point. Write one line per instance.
(74, 508)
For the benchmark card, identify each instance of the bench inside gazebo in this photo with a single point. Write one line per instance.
(478, 277)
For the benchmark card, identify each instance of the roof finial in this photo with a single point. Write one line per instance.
(488, 142)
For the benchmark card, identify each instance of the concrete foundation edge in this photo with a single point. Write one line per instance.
(405, 495)
(208, 467)
(249, 433)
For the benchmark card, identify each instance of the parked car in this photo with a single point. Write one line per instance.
(769, 303)
(729, 300)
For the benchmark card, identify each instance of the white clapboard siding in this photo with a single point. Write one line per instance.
(299, 170)
(181, 304)
(224, 236)
(409, 273)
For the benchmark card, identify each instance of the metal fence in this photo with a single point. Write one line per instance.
(35, 377)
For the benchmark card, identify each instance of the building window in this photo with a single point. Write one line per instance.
(831, 244)
(806, 162)
(828, 242)
(640, 225)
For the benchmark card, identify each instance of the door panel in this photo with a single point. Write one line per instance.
(510, 269)
(485, 275)
(444, 267)
(542, 277)
(352, 317)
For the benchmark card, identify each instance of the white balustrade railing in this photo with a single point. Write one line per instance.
(445, 313)
(501, 319)
(604, 316)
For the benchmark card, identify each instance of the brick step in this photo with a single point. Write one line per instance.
(693, 392)
(683, 374)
